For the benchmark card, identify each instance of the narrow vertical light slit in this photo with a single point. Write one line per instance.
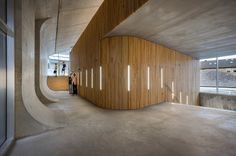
(128, 78)
(180, 97)
(172, 90)
(81, 76)
(148, 78)
(187, 99)
(92, 78)
(86, 78)
(162, 85)
(100, 73)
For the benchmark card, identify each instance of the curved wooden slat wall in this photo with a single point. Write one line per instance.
(114, 54)
(110, 14)
(119, 52)
(58, 83)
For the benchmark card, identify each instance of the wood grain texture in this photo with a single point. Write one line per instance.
(114, 54)
(59, 83)
(117, 53)
(110, 14)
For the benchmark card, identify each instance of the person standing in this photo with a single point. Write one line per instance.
(55, 69)
(70, 84)
(63, 70)
(74, 83)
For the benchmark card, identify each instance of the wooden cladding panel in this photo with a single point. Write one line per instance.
(114, 68)
(86, 53)
(109, 15)
(58, 83)
(116, 53)
(155, 81)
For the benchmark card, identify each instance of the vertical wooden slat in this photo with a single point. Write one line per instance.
(116, 53)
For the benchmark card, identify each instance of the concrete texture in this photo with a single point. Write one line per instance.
(31, 115)
(74, 16)
(43, 64)
(41, 95)
(218, 101)
(165, 129)
(198, 28)
(45, 94)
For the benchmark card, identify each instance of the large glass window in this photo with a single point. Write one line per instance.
(3, 69)
(208, 73)
(3, 10)
(3, 88)
(218, 75)
(6, 78)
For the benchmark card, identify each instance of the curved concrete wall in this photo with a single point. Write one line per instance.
(42, 95)
(31, 115)
(45, 52)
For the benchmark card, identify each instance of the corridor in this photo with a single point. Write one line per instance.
(117, 78)
(165, 129)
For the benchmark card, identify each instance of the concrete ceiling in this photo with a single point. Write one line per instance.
(74, 16)
(200, 28)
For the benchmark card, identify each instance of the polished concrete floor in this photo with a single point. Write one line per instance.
(163, 130)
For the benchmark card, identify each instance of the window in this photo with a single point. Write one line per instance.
(148, 78)
(3, 73)
(3, 87)
(6, 73)
(172, 90)
(100, 75)
(58, 65)
(81, 78)
(180, 97)
(92, 78)
(208, 72)
(218, 75)
(187, 99)
(86, 78)
(162, 84)
(128, 87)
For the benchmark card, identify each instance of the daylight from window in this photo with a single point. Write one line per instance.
(218, 75)
(58, 65)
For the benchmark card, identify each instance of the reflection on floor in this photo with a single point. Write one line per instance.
(165, 129)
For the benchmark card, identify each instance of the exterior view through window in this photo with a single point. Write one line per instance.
(58, 65)
(218, 75)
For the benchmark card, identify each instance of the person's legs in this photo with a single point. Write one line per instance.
(73, 89)
(70, 89)
(76, 89)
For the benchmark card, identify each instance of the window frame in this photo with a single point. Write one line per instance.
(7, 28)
(217, 87)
